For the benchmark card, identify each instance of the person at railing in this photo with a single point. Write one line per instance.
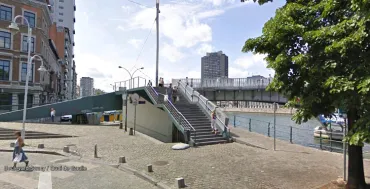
(213, 122)
(149, 83)
(187, 81)
(169, 92)
(161, 82)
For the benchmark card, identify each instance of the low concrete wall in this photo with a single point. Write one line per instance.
(260, 110)
(150, 120)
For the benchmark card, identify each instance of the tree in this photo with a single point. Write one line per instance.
(99, 92)
(320, 51)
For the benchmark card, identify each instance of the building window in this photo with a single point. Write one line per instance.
(31, 17)
(61, 1)
(6, 101)
(5, 13)
(25, 44)
(61, 14)
(61, 7)
(4, 70)
(21, 101)
(5, 40)
(24, 72)
(60, 20)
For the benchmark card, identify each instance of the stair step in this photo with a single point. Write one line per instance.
(211, 138)
(209, 135)
(211, 142)
(27, 134)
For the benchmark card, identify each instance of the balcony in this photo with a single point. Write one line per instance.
(75, 7)
(74, 20)
(74, 32)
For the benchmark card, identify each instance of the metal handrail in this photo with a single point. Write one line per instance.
(205, 103)
(181, 118)
(130, 84)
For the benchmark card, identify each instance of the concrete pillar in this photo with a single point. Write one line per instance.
(14, 101)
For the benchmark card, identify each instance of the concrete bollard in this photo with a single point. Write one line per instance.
(150, 168)
(12, 144)
(131, 131)
(180, 182)
(40, 146)
(96, 151)
(66, 149)
(122, 159)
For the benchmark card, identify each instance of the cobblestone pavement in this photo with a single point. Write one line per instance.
(97, 176)
(220, 166)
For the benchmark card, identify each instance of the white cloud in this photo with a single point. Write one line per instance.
(171, 53)
(204, 48)
(219, 2)
(208, 14)
(178, 23)
(248, 65)
(136, 42)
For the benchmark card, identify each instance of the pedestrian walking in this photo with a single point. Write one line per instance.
(175, 95)
(169, 92)
(52, 114)
(18, 153)
(213, 122)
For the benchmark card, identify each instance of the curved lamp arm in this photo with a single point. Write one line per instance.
(126, 70)
(136, 71)
(24, 18)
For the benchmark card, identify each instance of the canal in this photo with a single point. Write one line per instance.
(286, 129)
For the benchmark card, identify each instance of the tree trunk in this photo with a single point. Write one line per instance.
(356, 176)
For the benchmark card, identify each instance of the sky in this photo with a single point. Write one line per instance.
(114, 33)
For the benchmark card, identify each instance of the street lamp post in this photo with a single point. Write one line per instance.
(114, 87)
(131, 76)
(14, 26)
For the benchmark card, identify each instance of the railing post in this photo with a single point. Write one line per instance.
(250, 125)
(291, 134)
(192, 95)
(234, 120)
(320, 140)
(331, 138)
(268, 130)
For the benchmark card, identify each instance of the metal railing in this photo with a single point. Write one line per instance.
(177, 115)
(227, 83)
(208, 106)
(132, 83)
(329, 140)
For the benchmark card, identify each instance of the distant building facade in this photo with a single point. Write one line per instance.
(215, 65)
(86, 86)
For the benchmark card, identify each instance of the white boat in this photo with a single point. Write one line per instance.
(336, 134)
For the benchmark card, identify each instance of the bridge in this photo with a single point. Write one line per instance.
(249, 90)
(188, 120)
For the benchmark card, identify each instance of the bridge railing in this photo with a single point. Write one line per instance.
(228, 83)
(192, 95)
(135, 82)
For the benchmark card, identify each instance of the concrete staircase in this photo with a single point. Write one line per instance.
(199, 121)
(8, 134)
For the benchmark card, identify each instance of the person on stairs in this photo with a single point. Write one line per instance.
(169, 92)
(18, 153)
(213, 122)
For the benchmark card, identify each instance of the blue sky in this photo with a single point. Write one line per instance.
(112, 33)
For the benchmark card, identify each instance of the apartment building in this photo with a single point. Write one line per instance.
(215, 65)
(86, 86)
(13, 55)
(63, 14)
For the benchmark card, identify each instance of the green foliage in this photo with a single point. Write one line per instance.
(320, 51)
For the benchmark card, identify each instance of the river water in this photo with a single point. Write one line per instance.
(286, 129)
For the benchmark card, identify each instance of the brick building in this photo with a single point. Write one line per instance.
(43, 88)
